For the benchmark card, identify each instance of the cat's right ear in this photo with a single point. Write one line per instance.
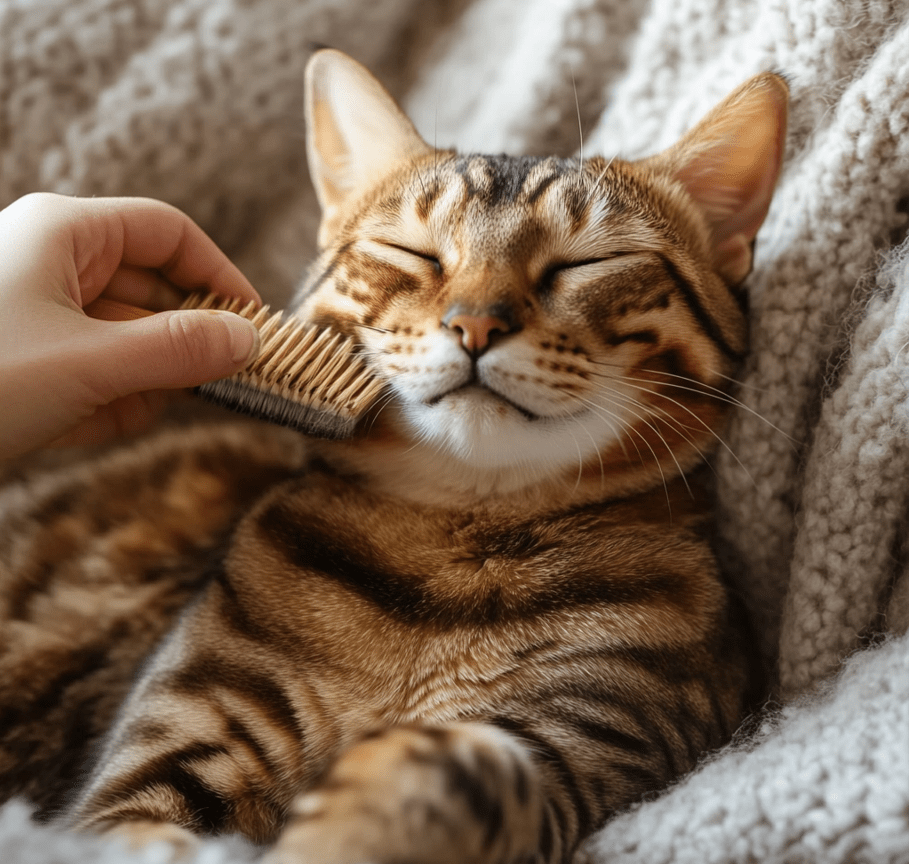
(355, 133)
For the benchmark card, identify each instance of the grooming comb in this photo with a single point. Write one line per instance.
(306, 377)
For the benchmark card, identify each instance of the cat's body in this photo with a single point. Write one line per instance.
(490, 619)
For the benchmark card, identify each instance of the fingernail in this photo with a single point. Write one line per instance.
(244, 337)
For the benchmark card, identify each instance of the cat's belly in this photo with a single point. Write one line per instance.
(391, 614)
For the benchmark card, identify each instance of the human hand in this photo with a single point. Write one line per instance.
(66, 378)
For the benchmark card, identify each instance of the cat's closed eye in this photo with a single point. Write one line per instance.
(429, 257)
(547, 281)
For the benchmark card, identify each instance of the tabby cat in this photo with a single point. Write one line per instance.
(490, 619)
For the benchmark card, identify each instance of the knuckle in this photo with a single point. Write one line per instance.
(41, 203)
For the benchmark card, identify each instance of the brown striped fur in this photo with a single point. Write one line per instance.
(489, 620)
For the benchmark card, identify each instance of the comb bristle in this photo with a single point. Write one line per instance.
(305, 377)
(254, 402)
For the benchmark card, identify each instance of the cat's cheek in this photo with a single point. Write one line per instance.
(423, 376)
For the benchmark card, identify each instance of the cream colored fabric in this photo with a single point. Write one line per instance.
(199, 102)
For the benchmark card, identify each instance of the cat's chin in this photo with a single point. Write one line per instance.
(477, 427)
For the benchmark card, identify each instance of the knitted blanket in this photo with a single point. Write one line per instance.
(199, 102)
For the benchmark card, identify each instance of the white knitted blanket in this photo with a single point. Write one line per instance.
(199, 102)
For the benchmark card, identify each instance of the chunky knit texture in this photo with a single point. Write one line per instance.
(199, 102)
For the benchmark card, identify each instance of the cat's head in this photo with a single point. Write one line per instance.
(539, 319)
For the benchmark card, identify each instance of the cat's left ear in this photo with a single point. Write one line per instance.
(355, 132)
(729, 164)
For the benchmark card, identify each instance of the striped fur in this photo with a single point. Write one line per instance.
(490, 619)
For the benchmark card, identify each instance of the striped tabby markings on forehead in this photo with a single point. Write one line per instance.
(536, 313)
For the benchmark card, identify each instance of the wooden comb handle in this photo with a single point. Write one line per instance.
(105, 309)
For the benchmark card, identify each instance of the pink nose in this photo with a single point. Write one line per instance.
(475, 330)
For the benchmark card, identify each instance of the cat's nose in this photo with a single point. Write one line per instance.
(476, 330)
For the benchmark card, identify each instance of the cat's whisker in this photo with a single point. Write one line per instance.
(709, 429)
(577, 106)
(630, 427)
(653, 429)
(673, 423)
(739, 383)
(381, 405)
(679, 426)
(375, 329)
(615, 431)
(701, 389)
(596, 183)
(688, 410)
(680, 429)
(577, 482)
(623, 426)
(596, 450)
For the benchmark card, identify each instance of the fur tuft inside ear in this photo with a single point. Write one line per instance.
(729, 164)
(355, 132)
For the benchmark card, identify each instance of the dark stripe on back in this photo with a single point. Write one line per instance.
(698, 733)
(81, 664)
(546, 832)
(720, 720)
(677, 666)
(707, 324)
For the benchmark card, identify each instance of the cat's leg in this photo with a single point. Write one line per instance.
(464, 793)
(209, 742)
(96, 562)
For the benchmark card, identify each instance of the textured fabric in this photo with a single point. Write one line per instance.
(199, 102)
(813, 785)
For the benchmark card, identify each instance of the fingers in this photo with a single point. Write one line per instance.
(83, 242)
(146, 289)
(158, 236)
(58, 367)
(167, 351)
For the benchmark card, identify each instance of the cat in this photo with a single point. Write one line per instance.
(491, 618)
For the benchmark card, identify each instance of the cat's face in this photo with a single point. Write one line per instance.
(529, 315)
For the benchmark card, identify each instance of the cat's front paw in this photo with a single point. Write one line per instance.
(179, 843)
(460, 794)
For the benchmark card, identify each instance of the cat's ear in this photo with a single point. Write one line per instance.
(729, 163)
(355, 131)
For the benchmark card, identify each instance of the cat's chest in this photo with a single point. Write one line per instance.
(433, 569)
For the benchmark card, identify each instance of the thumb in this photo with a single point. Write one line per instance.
(172, 350)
